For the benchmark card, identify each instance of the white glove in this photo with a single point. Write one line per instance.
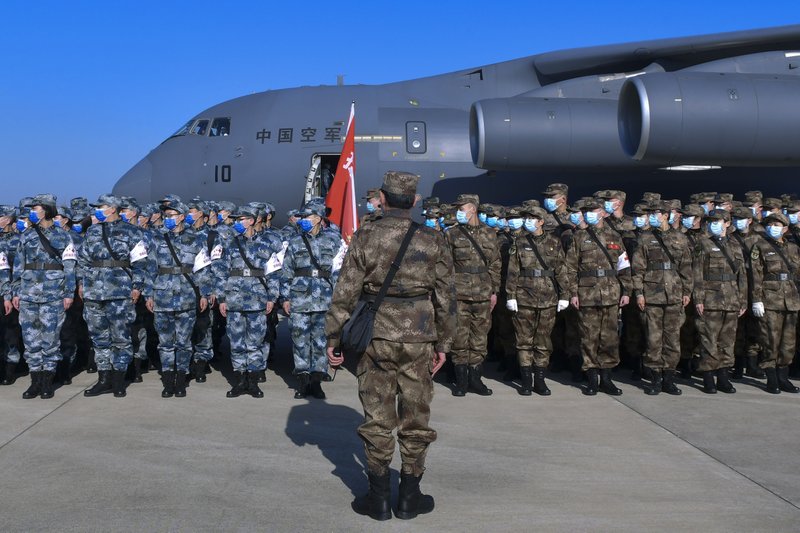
(758, 309)
(562, 304)
(511, 305)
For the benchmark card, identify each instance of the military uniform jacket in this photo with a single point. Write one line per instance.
(661, 280)
(475, 279)
(716, 285)
(425, 278)
(556, 223)
(530, 282)
(8, 248)
(308, 288)
(111, 275)
(504, 242)
(39, 277)
(626, 229)
(242, 289)
(168, 287)
(592, 278)
(216, 246)
(775, 283)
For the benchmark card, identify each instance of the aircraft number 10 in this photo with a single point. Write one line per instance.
(222, 174)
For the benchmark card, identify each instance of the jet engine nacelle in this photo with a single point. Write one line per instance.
(529, 133)
(711, 119)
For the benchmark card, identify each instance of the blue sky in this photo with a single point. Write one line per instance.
(89, 88)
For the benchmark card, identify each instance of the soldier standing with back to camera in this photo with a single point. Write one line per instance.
(600, 281)
(476, 261)
(11, 340)
(414, 327)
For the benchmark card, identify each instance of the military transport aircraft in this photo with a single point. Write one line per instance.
(713, 112)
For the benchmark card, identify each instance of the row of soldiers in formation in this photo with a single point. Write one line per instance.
(701, 287)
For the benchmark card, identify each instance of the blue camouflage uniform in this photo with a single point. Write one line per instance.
(108, 277)
(10, 333)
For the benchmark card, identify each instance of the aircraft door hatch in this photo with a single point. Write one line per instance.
(320, 175)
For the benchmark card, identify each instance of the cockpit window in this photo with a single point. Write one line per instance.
(184, 129)
(220, 127)
(200, 127)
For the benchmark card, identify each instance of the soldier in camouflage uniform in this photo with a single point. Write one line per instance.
(502, 332)
(373, 205)
(307, 279)
(720, 298)
(661, 268)
(476, 260)
(112, 267)
(776, 300)
(10, 333)
(180, 289)
(275, 240)
(692, 228)
(793, 215)
(248, 296)
(599, 275)
(535, 285)
(414, 328)
(43, 288)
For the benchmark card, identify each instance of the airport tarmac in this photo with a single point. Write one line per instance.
(503, 463)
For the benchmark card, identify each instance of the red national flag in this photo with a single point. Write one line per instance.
(341, 198)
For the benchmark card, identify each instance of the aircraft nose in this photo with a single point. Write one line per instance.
(137, 182)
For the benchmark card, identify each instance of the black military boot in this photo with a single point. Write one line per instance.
(773, 387)
(591, 386)
(539, 384)
(410, 500)
(375, 503)
(252, 385)
(783, 380)
(36, 386)
(753, 370)
(118, 383)
(526, 382)
(656, 383)
(261, 376)
(476, 385)
(168, 380)
(137, 369)
(46, 383)
(723, 382)
(315, 386)
(709, 385)
(738, 367)
(180, 384)
(301, 389)
(460, 387)
(685, 368)
(668, 383)
(240, 385)
(102, 386)
(200, 371)
(11, 374)
(606, 385)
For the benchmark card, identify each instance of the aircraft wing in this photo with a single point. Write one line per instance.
(672, 54)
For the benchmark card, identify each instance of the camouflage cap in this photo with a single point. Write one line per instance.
(754, 196)
(260, 207)
(211, 205)
(515, 211)
(692, 210)
(556, 189)
(400, 182)
(433, 212)
(23, 210)
(44, 200)
(8, 211)
(719, 214)
(590, 204)
(777, 217)
(431, 201)
(600, 194)
(372, 194)
(786, 198)
(467, 199)
(660, 206)
(79, 205)
(650, 197)
(180, 207)
(147, 210)
(704, 197)
(500, 211)
(772, 203)
(793, 207)
(196, 203)
(674, 204)
(65, 212)
(615, 195)
(536, 212)
(225, 205)
(531, 203)
(723, 197)
(315, 206)
(106, 199)
(245, 211)
(742, 212)
(640, 209)
(170, 198)
(292, 213)
(269, 209)
(489, 209)
(129, 202)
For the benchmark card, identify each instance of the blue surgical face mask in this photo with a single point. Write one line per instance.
(741, 224)
(123, 216)
(491, 222)
(531, 224)
(305, 225)
(640, 222)
(57, 223)
(239, 227)
(774, 232)
(653, 219)
(430, 222)
(21, 225)
(441, 221)
(765, 213)
(785, 211)
(77, 228)
(100, 215)
(482, 217)
(220, 217)
(754, 210)
(33, 217)
(705, 208)
(502, 223)
(370, 207)
(793, 218)
(687, 222)
(591, 218)
(550, 204)
(461, 216)
(170, 223)
(515, 223)
(575, 218)
(608, 205)
(716, 227)
(671, 220)
(189, 219)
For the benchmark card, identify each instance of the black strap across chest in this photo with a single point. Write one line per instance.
(250, 265)
(474, 245)
(178, 264)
